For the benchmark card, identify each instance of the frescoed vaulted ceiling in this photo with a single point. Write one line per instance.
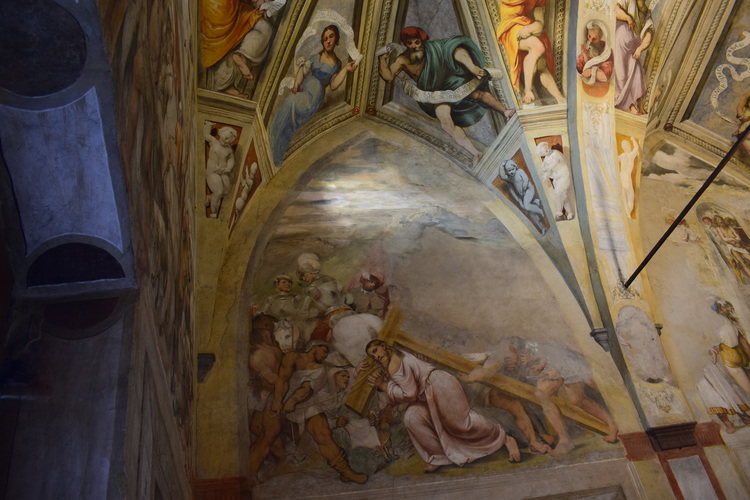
(367, 177)
(251, 167)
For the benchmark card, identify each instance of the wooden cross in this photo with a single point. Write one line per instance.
(391, 334)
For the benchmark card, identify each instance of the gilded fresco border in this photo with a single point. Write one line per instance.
(699, 61)
(665, 45)
(277, 70)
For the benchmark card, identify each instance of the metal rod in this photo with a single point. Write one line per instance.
(687, 208)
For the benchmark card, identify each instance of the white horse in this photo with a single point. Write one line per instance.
(352, 333)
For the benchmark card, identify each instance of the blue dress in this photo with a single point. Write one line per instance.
(297, 109)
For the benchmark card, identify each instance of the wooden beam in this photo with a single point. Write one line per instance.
(391, 334)
(361, 392)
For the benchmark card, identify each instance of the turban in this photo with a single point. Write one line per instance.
(371, 277)
(413, 32)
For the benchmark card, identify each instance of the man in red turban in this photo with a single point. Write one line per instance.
(451, 82)
(413, 32)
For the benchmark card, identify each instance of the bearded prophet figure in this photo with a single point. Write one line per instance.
(439, 67)
(594, 62)
(441, 425)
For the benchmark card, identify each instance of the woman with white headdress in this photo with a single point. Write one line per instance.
(323, 69)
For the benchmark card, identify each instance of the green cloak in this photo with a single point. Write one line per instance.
(442, 72)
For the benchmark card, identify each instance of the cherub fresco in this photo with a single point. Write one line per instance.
(556, 170)
(315, 70)
(631, 151)
(527, 46)
(236, 35)
(729, 238)
(516, 183)
(450, 81)
(219, 164)
(250, 179)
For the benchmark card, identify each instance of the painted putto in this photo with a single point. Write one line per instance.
(519, 188)
(556, 170)
(219, 164)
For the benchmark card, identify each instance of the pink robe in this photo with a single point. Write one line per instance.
(443, 428)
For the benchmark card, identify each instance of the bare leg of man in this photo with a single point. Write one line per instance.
(515, 408)
(725, 420)
(576, 394)
(488, 100)
(535, 49)
(548, 82)
(742, 260)
(443, 113)
(242, 65)
(514, 454)
(318, 428)
(544, 389)
(256, 429)
(259, 450)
